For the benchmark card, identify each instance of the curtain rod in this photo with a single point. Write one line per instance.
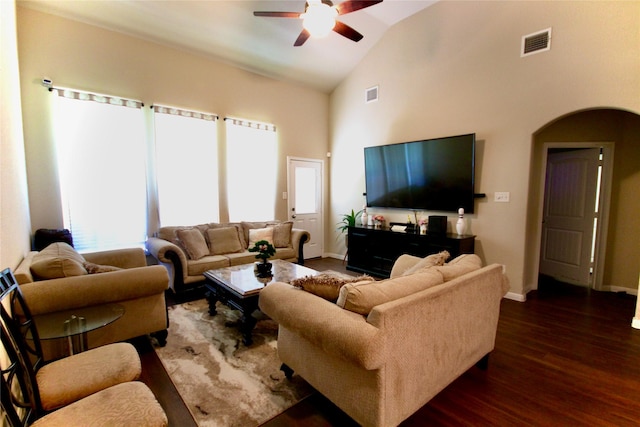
(152, 106)
(47, 83)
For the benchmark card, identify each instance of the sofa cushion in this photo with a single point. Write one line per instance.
(362, 297)
(57, 260)
(282, 234)
(193, 242)
(246, 226)
(427, 262)
(327, 286)
(257, 234)
(459, 266)
(93, 268)
(238, 227)
(224, 240)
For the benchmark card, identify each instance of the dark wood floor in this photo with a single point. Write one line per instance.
(566, 357)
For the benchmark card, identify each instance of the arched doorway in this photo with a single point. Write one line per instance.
(619, 248)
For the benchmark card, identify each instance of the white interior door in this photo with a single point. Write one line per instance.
(305, 201)
(569, 213)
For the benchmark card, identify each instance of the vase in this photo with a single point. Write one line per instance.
(264, 269)
(364, 219)
(461, 225)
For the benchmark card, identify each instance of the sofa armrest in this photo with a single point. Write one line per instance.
(47, 296)
(165, 251)
(298, 238)
(123, 258)
(454, 321)
(339, 332)
(402, 264)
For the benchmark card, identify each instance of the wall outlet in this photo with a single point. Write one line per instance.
(501, 196)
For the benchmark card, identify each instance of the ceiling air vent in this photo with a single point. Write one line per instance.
(371, 94)
(536, 42)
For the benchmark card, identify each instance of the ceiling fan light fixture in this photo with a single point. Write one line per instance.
(319, 19)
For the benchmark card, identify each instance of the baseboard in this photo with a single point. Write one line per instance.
(621, 289)
(332, 255)
(635, 323)
(515, 297)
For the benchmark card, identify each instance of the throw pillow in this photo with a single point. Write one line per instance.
(459, 266)
(362, 297)
(224, 240)
(57, 260)
(257, 234)
(327, 286)
(428, 262)
(192, 241)
(282, 234)
(246, 226)
(98, 268)
(238, 226)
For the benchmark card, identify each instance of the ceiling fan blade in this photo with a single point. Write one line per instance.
(352, 6)
(304, 35)
(278, 14)
(347, 31)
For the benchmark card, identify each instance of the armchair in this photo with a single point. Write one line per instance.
(134, 285)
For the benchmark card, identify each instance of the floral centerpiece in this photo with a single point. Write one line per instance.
(265, 250)
(378, 221)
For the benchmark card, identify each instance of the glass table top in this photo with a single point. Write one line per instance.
(62, 324)
(243, 279)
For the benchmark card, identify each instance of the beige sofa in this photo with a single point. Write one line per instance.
(187, 252)
(93, 279)
(385, 348)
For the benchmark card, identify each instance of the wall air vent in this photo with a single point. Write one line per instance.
(371, 94)
(536, 42)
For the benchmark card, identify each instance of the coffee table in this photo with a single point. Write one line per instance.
(239, 288)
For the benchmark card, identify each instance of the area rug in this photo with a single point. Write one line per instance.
(223, 382)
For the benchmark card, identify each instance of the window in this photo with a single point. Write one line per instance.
(186, 166)
(100, 143)
(251, 170)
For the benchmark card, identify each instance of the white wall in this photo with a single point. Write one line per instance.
(86, 57)
(455, 68)
(14, 217)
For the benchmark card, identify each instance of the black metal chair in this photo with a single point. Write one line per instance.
(32, 388)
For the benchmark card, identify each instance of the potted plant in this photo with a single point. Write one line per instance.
(348, 220)
(265, 250)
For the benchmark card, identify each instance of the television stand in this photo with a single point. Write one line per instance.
(373, 251)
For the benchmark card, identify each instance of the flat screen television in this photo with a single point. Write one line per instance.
(433, 174)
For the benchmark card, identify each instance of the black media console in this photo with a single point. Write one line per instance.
(374, 250)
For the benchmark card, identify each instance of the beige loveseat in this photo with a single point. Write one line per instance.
(386, 348)
(187, 252)
(58, 278)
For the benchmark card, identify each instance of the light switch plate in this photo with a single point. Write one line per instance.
(501, 196)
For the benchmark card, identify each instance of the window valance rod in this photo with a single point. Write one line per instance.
(91, 96)
(250, 124)
(163, 109)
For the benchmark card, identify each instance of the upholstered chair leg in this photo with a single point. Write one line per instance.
(161, 337)
(484, 362)
(288, 372)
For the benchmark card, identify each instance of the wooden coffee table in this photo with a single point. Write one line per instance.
(239, 288)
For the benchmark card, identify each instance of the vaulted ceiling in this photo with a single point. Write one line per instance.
(227, 30)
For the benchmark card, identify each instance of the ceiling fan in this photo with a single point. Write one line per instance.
(319, 18)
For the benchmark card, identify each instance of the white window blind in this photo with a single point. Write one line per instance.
(252, 155)
(186, 166)
(100, 143)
